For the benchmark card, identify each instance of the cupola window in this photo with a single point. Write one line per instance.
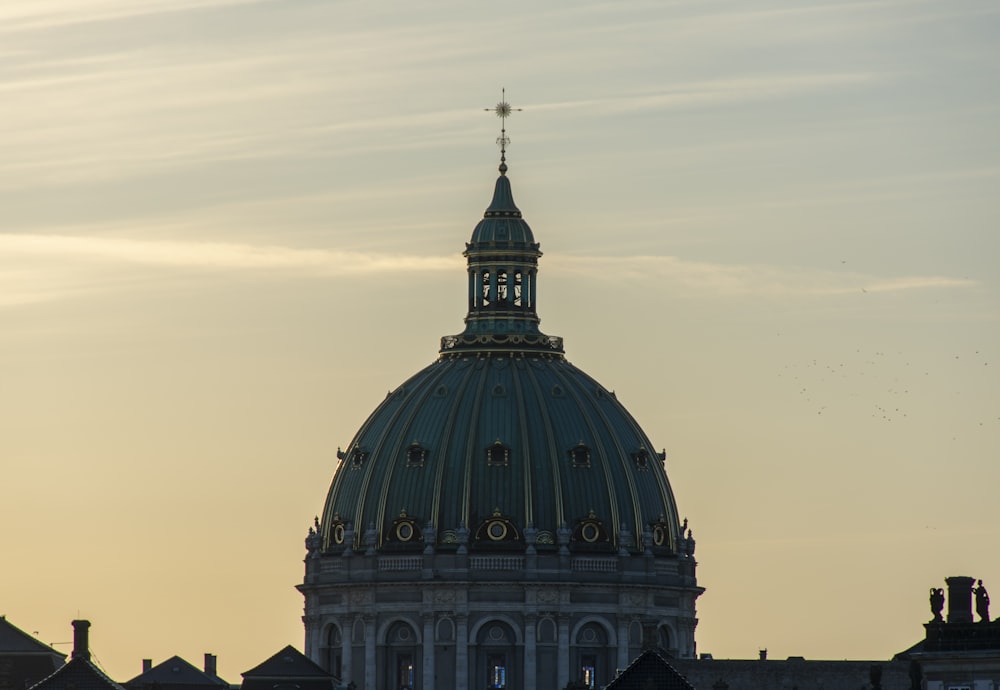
(487, 297)
(517, 289)
(498, 455)
(416, 455)
(501, 286)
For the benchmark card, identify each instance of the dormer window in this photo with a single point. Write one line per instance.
(416, 455)
(579, 455)
(498, 455)
(358, 458)
(641, 458)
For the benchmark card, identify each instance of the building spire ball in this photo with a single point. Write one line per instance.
(503, 111)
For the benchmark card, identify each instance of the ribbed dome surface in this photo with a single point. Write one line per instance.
(570, 451)
(502, 221)
(501, 443)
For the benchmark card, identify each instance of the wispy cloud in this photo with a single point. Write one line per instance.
(735, 280)
(74, 255)
(216, 255)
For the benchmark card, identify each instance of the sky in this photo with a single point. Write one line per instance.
(228, 227)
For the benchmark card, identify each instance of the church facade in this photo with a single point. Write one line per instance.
(500, 520)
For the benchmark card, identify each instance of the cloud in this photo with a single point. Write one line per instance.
(216, 255)
(46, 267)
(735, 280)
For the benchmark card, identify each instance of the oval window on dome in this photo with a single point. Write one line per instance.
(404, 531)
(659, 535)
(590, 532)
(496, 530)
(338, 534)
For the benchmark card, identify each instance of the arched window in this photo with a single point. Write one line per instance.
(518, 299)
(335, 647)
(486, 288)
(501, 286)
(402, 657)
(591, 655)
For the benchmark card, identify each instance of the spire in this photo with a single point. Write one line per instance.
(503, 272)
(503, 111)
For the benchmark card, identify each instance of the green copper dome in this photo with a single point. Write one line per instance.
(501, 444)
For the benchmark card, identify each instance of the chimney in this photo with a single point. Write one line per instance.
(210, 665)
(147, 664)
(959, 599)
(81, 639)
(763, 654)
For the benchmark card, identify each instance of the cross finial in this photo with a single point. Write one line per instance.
(503, 111)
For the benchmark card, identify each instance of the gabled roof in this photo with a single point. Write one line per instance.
(650, 671)
(13, 640)
(289, 662)
(173, 672)
(78, 674)
(288, 667)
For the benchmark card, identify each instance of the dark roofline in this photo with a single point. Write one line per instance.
(34, 645)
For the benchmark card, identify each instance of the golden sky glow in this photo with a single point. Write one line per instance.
(228, 227)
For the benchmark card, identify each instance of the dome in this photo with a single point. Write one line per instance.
(501, 437)
(500, 519)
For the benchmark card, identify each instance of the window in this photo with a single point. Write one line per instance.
(588, 669)
(580, 455)
(486, 288)
(404, 672)
(358, 458)
(498, 455)
(641, 458)
(517, 289)
(415, 455)
(497, 666)
(501, 286)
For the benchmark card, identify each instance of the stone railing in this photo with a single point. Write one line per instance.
(595, 565)
(496, 563)
(331, 565)
(400, 563)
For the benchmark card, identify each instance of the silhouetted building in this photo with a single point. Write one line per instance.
(500, 520)
(79, 673)
(959, 653)
(289, 669)
(650, 671)
(24, 660)
(177, 674)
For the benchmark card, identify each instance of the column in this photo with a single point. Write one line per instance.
(429, 651)
(563, 665)
(369, 652)
(346, 648)
(530, 653)
(461, 652)
(623, 659)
